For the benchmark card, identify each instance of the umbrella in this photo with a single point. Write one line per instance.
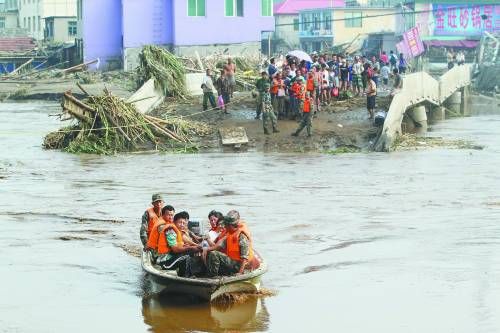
(301, 55)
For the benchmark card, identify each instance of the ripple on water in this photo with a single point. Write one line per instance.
(345, 244)
(334, 265)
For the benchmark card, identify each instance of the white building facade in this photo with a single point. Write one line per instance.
(32, 14)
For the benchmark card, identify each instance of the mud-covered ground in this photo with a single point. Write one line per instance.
(340, 124)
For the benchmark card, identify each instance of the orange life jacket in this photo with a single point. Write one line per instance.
(307, 105)
(152, 219)
(300, 92)
(155, 234)
(163, 247)
(233, 243)
(310, 84)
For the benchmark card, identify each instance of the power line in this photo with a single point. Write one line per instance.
(361, 17)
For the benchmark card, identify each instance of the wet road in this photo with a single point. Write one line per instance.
(406, 242)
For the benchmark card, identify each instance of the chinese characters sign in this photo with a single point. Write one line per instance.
(413, 42)
(466, 19)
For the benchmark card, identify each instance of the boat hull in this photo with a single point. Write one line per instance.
(208, 289)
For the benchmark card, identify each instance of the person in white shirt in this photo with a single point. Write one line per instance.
(207, 86)
(384, 72)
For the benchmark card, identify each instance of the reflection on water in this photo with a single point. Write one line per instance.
(176, 313)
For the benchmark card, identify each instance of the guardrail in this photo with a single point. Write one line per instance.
(418, 88)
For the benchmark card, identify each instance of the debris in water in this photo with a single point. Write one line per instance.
(71, 238)
(106, 124)
(133, 250)
(413, 142)
(228, 299)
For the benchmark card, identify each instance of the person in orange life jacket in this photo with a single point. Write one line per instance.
(172, 252)
(306, 117)
(234, 253)
(167, 216)
(150, 216)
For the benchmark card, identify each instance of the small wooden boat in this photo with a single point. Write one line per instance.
(205, 288)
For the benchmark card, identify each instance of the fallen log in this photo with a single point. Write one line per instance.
(79, 67)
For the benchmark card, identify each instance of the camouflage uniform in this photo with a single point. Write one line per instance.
(220, 264)
(260, 85)
(268, 115)
(143, 233)
(305, 122)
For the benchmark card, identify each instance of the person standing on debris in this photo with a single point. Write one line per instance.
(271, 69)
(357, 72)
(223, 90)
(278, 90)
(398, 82)
(393, 59)
(402, 65)
(230, 69)
(260, 85)
(208, 91)
(384, 72)
(384, 59)
(306, 116)
(150, 217)
(371, 94)
(268, 115)
(344, 74)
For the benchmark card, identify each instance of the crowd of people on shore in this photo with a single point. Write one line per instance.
(298, 89)
(225, 249)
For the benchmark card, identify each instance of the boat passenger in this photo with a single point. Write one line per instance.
(172, 252)
(167, 216)
(150, 216)
(234, 254)
(215, 219)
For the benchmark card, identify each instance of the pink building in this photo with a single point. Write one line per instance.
(286, 16)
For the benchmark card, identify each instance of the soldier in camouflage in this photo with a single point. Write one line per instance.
(268, 115)
(219, 263)
(260, 85)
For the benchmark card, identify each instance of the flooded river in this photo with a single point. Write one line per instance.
(402, 242)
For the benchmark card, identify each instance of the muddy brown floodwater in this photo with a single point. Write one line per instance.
(401, 242)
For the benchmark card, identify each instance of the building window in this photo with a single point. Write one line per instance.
(316, 21)
(234, 8)
(72, 30)
(328, 22)
(266, 7)
(39, 23)
(353, 19)
(296, 24)
(29, 23)
(196, 7)
(2, 22)
(34, 23)
(24, 24)
(50, 29)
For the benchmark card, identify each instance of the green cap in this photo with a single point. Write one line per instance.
(156, 197)
(228, 220)
(267, 85)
